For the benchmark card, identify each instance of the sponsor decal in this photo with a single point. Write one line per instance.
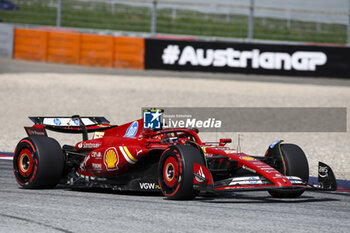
(274, 143)
(36, 133)
(33, 131)
(247, 158)
(152, 119)
(149, 186)
(249, 180)
(97, 166)
(132, 130)
(322, 171)
(205, 151)
(253, 180)
(111, 158)
(83, 164)
(72, 123)
(294, 180)
(89, 145)
(127, 155)
(66, 121)
(201, 176)
(255, 59)
(230, 151)
(268, 169)
(95, 154)
(98, 135)
(57, 121)
(278, 175)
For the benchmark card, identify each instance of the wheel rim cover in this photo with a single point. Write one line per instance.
(25, 162)
(170, 172)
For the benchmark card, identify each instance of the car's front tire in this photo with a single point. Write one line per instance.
(175, 171)
(290, 161)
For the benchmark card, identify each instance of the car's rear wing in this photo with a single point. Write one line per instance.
(63, 124)
(72, 121)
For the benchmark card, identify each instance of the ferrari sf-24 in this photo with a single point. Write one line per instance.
(174, 161)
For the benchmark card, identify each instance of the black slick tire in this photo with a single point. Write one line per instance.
(293, 163)
(38, 162)
(175, 171)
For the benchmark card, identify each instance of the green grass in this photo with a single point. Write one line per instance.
(79, 14)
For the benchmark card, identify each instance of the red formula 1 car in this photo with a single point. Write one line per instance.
(174, 161)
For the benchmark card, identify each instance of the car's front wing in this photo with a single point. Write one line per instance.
(326, 182)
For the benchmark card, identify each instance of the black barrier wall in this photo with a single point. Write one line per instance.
(250, 58)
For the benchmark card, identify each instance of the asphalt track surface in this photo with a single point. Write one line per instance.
(66, 210)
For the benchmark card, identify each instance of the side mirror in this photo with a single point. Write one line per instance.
(224, 141)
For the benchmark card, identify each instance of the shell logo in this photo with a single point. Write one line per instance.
(111, 158)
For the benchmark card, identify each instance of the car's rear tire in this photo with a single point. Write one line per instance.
(292, 162)
(38, 162)
(175, 171)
